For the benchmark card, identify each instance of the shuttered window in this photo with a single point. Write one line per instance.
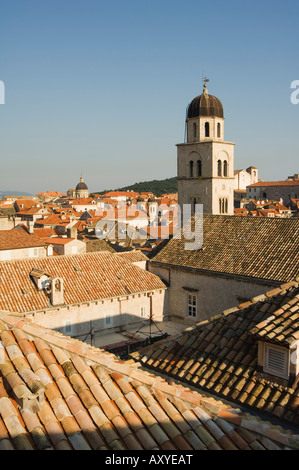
(276, 361)
(142, 311)
(192, 305)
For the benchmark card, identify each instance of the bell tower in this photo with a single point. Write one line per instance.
(205, 162)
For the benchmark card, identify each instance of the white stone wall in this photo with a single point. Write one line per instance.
(105, 317)
(141, 264)
(244, 179)
(208, 188)
(274, 193)
(23, 253)
(72, 248)
(214, 293)
(200, 129)
(6, 223)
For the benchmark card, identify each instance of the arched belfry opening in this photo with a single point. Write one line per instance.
(194, 131)
(219, 168)
(198, 168)
(207, 129)
(225, 168)
(191, 168)
(218, 130)
(205, 160)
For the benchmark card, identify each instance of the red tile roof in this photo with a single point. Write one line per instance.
(133, 256)
(59, 240)
(255, 247)
(87, 277)
(18, 238)
(120, 213)
(82, 201)
(50, 194)
(241, 211)
(220, 355)
(274, 183)
(159, 231)
(53, 219)
(30, 211)
(6, 204)
(44, 232)
(59, 393)
(121, 194)
(25, 203)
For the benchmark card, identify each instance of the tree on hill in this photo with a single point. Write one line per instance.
(157, 187)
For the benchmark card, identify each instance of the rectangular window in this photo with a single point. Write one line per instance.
(192, 305)
(142, 311)
(107, 319)
(68, 327)
(276, 361)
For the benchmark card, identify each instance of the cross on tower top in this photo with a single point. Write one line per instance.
(205, 81)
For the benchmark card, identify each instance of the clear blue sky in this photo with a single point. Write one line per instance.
(100, 87)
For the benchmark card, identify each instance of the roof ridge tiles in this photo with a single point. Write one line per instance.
(260, 298)
(82, 365)
(239, 380)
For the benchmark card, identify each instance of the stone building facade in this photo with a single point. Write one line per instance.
(81, 190)
(18, 244)
(100, 292)
(241, 258)
(244, 178)
(274, 191)
(205, 162)
(195, 296)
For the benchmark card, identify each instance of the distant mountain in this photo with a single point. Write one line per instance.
(13, 193)
(157, 187)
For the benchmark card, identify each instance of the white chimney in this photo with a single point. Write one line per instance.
(57, 291)
(30, 224)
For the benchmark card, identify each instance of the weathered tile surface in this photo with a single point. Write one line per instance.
(221, 355)
(107, 275)
(228, 242)
(58, 393)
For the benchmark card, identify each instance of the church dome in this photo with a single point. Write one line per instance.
(205, 105)
(81, 185)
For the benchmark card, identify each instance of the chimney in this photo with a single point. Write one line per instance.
(72, 232)
(57, 291)
(40, 278)
(30, 226)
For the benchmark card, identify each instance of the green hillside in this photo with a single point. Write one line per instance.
(13, 193)
(157, 187)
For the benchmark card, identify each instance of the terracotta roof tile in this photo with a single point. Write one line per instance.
(274, 183)
(89, 405)
(15, 239)
(230, 367)
(227, 241)
(108, 275)
(133, 256)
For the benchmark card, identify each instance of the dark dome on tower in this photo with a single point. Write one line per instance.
(81, 185)
(205, 105)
